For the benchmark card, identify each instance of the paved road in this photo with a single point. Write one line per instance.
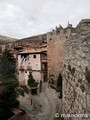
(49, 105)
(48, 101)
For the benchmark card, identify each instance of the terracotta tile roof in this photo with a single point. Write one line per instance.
(30, 51)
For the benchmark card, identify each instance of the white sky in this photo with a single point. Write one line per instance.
(24, 18)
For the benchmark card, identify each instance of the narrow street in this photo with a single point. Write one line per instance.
(49, 105)
(47, 99)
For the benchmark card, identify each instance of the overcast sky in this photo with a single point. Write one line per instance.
(24, 18)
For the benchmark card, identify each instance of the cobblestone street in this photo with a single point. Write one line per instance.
(47, 99)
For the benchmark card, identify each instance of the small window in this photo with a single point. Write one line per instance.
(34, 56)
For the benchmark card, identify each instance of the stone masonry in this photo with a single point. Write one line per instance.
(76, 72)
(56, 40)
(68, 53)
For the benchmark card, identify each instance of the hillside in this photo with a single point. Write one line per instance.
(35, 39)
(5, 39)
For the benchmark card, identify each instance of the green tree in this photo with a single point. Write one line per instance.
(8, 77)
(7, 66)
(59, 85)
(32, 82)
(40, 88)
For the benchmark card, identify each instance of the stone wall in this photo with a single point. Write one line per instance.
(76, 72)
(56, 40)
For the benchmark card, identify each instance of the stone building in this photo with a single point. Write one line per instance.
(56, 40)
(33, 62)
(19, 45)
(76, 73)
(29, 46)
(68, 53)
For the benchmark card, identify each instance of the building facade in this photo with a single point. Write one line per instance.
(32, 62)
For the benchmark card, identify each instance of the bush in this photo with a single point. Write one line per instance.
(59, 89)
(59, 85)
(59, 80)
(35, 84)
(32, 82)
(40, 88)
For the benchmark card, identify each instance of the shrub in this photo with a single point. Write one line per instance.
(32, 82)
(59, 85)
(40, 88)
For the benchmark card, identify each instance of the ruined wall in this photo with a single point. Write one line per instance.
(76, 72)
(56, 40)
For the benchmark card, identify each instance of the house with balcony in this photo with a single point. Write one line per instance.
(33, 62)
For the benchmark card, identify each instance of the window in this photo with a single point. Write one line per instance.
(34, 56)
(25, 57)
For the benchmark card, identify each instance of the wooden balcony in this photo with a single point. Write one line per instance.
(44, 59)
(44, 67)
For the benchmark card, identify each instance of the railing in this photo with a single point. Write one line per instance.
(34, 101)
